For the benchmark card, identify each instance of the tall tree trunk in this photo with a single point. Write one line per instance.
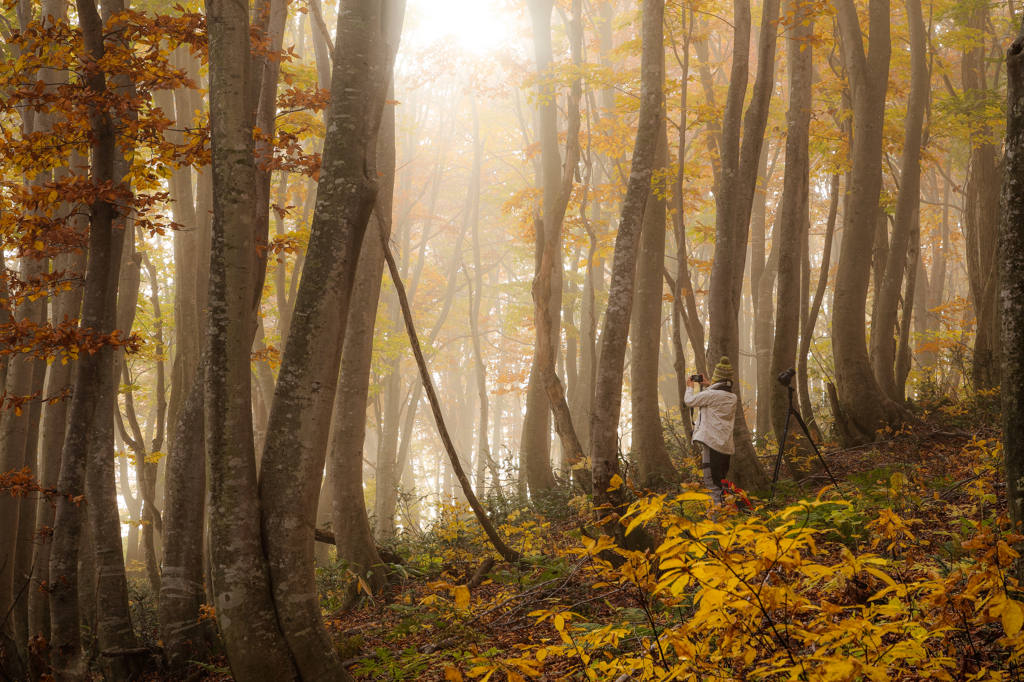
(99, 315)
(734, 203)
(483, 448)
(65, 306)
(114, 625)
(14, 435)
(812, 316)
(764, 331)
(981, 210)
(883, 324)
(682, 257)
(790, 239)
(544, 298)
(249, 627)
(604, 424)
(645, 333)
(903, 352)
(296, 446)
(26, 526)
(865, 406)
(763, 321)
(536, 445)
(1011, 286)
(15, 423)
(185, 635)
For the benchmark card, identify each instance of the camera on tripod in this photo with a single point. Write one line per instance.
(786, 379)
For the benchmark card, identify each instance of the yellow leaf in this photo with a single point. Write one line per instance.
(1013, 617)
(462, 597)
(515, 677)
(615, 483)
(39, 246)
(452, 674)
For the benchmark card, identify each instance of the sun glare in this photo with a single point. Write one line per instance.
(476, 25)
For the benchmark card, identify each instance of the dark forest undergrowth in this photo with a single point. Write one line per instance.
(903, 572)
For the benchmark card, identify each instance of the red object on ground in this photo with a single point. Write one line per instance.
(740, 497)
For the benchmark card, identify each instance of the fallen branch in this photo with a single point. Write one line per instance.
(481, 573)
(386, 555)
(506, 552)
(141, 651)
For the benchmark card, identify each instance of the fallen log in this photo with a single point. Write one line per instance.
(386, 555)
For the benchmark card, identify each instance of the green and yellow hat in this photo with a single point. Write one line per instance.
(723, 370)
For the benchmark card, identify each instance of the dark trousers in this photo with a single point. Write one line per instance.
(716, 468)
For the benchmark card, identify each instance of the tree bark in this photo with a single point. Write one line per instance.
(544, 297)
(14, 437)
(903, 353)
(866, 407)
(349, 506)
(298, 430)
(682, 265)
(812, 316)
(648, 437)
(536, 445)
(734, 203)
(790, 239)
(249, 627)
(98, 315)
(981, 212)
(764, 331)
(1011, 287)
(65, 306)
(113, 625)
(604, 424)
(883, 339)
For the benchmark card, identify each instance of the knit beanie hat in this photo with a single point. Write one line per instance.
(723, 370)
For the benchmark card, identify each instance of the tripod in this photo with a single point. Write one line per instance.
(785, 434)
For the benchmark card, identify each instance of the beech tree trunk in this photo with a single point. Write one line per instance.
(298, 430)
(98, 314)
(790, 239)
(536, 445)
(866, 408)
(113, 622)
(648, 436)
(249, 627)
(544, 283)
(981, 211)
(65, 306)
(1011, 287)
(682, 290)
(807, 335)
(733, 208)
(348, 511)
(887, 296)
(604, 423)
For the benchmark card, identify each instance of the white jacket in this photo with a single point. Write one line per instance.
(717, 417)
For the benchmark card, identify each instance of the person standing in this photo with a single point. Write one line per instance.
(715, 424)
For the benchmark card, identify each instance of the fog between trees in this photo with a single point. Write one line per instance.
(222, 229)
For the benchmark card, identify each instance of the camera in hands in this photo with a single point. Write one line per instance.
(697, 378)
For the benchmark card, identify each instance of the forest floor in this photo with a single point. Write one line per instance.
(903, 572)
